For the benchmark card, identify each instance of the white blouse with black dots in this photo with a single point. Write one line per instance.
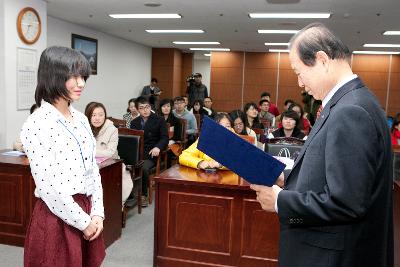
(62, 161)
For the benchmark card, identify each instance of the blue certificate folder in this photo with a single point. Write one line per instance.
(237, 154)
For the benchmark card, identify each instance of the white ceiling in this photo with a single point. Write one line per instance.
(226, 21)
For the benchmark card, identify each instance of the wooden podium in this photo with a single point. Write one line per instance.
(17, 199)
(211, 219)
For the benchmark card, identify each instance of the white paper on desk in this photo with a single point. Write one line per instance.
(13, 153)
(287, 161)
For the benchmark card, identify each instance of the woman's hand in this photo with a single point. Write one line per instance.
(98, 221)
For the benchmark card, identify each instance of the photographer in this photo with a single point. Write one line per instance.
(196, 90)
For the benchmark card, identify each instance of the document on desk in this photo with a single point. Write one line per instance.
(240, 156)
(13, 153)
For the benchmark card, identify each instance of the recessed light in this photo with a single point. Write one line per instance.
(290, 15)
(277, 44)
(377, 52)
(279, 50)
(209, 49)
(207, 55)
(381, 45)
(145, 16)
(175, 31)
(152, 4)
(391, 33)
(279, 31)
(191, 43)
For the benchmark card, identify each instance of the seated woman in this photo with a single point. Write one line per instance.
(165, 112)
(17, 145)
(252, 121)
(194, 158)
(132, 112)
(396, 133)
(239, 118)
(106, 135)
(304, 124)
(290, 120)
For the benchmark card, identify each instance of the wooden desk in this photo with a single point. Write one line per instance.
(17, 199)
(211, 220)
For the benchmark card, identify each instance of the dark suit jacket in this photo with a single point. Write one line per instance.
(337, 209)
(155, 133)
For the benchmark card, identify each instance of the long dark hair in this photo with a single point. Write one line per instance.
(234, 114)
(162, 103)
(57, 65)
(299, 123)
(256, 121)
(89, 112)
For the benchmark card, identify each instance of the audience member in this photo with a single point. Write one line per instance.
(152, 92)
(264, 113)
(106, 135)
(155, 139)
(182, 113)
(196, 90)
(273, 109)
(396, 132)
(208, 107)
(17, 145)
(239, 124)
(165, 111)
(252, 121)
(304, 125)
(290, 121)
(132, 112)
(286, 105)
(194, 158)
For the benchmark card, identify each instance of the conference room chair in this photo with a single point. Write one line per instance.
(284, 146)
(198, 121)
(130, 149)
(118, 122)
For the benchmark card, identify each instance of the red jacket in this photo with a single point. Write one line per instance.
(396, 137)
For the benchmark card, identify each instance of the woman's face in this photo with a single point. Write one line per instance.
(238, 125)
(288, 123)
(252, 112)
(75, 86)
(166, 109)
(225, 122)
(98, 117)
(133, 109)
(196, 106)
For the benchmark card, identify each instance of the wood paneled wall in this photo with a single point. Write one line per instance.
(170, 66)
(240, 77)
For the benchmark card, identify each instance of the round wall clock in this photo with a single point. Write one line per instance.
(29, 25)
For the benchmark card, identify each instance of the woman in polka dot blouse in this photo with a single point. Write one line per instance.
(67, 221)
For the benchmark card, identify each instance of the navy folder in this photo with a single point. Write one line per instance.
(240, 156)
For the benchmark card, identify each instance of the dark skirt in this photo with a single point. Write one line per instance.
(51, 242)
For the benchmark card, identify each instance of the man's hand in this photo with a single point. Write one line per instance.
(281, 180)
(266, 196)
(98, 221)
(154, 152)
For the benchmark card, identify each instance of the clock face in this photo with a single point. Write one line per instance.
(29, 25)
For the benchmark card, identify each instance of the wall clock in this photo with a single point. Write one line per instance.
(29, 25)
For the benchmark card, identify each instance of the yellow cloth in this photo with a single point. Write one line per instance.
(191, 156)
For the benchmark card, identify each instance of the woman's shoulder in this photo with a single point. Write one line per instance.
(108, 127)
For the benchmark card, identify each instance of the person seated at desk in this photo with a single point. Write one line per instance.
(106, 135)
(194, 158)
(155, 139)
(395, 133)
(132, 112)
(182, 113)
(290, 120)
(165, 111)
(17, 145)
(252, 121)
(238, 117)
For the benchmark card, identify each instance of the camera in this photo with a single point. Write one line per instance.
(190, 79)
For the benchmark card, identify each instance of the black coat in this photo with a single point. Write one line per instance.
(155, 133)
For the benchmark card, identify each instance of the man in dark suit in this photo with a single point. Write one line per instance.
(335, 208)
(155, 138)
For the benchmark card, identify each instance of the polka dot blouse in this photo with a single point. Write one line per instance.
(62, 161)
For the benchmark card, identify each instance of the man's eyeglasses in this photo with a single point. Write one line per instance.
(147, 107)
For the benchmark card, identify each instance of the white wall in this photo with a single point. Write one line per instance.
(123, 67)
(13, 119)
(203, 66)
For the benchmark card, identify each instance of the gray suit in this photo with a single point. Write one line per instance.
(337, 209)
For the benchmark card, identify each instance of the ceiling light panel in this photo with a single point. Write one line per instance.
(377, 52)
(209, 49)
(145, 16)
(278, 31)
(277, 44)
(279, 50)
(289, 15)
(391, 33)
(175, 31)
(192, 43)
(381, 45)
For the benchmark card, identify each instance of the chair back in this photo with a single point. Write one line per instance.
(130, 145)
(118, 122)
(198, 121)
(180, 131)
(284, 147)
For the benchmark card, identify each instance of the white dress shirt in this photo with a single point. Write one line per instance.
(62, 161)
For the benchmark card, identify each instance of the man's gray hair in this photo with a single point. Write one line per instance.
(317, 37)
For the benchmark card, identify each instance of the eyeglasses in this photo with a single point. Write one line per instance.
(147, 107)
